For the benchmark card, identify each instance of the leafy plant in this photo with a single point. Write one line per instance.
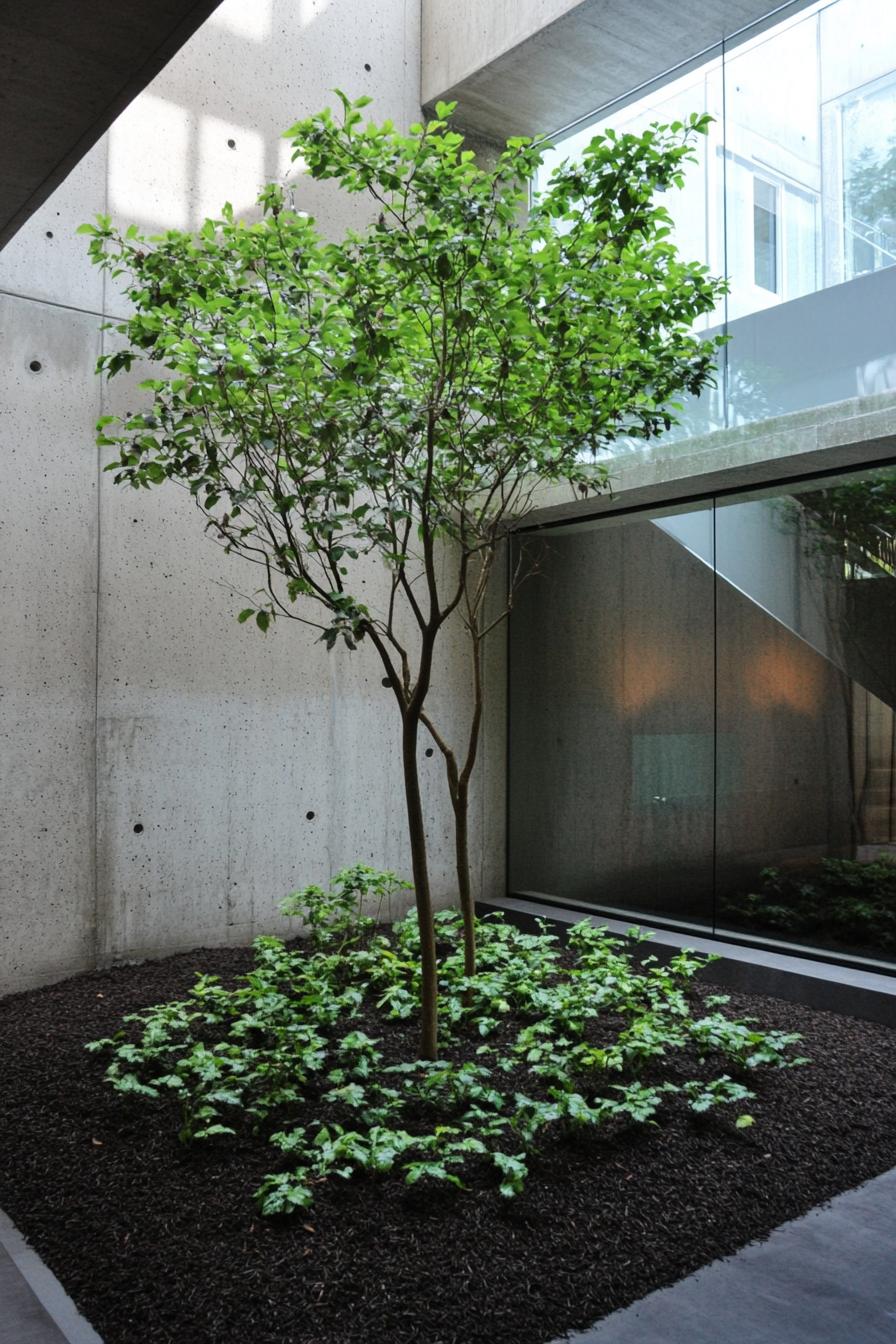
(402, 395)
(845, 901)
(336, 917)
(543, 1042)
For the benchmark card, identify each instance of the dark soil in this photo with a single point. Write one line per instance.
(157, 1244)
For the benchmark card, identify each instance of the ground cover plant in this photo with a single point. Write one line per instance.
(163, 1241)
(538, 1041)
(401, 396)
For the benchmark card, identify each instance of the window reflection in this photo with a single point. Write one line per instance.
(806, 633)
(869, 171)
(793, 194)
(765, 235)
(717, 746)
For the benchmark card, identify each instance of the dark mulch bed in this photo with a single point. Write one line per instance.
(156, 1244)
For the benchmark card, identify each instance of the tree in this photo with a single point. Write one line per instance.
(404, 393)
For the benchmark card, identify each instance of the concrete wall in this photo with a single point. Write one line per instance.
(159, 761)
(462, 36)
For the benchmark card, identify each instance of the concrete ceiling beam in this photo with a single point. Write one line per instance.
(530, 67)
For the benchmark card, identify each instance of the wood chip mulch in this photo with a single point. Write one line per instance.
(158, 1245)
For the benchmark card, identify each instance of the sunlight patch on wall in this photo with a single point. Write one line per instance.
(249, 19)
(309, 10)
(230, 167)
(149, 163)
(287, 170)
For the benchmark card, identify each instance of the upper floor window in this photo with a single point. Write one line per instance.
(765, 235)
(795, 187)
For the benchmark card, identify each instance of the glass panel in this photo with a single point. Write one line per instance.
(806, 634)
(857, 44)
(811, 111)
(697, 210)
(773, 178)
(765, 235)
(611, 725)
(794, 199)
(869, 172)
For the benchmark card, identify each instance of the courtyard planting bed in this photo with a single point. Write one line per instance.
(162, 1241)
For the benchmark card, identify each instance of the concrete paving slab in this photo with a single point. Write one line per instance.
(34, 1307)
(827, 1278)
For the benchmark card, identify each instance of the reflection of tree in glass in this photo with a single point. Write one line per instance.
(754, 391)
(871, 186)
(871, 208)
(847, 535)
(856, 520)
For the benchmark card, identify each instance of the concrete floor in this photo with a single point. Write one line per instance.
(828, 1278)
(34, 1307)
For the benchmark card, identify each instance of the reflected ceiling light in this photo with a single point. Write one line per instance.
(777, 677)
(646, 672)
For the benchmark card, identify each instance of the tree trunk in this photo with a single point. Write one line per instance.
(461, 803)
(422, 894)
(459, 785)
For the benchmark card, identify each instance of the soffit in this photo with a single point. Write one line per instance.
(67, 69)
(591, 54)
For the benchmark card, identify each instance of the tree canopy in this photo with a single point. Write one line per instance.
(405, 392)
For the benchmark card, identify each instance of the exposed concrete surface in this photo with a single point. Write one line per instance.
(460, 36)
(823, 1279)
(45, 260)
(47, 651)
(34, 1307)
(215, 740)
(530, 67)
(844, 434)
(66, 70)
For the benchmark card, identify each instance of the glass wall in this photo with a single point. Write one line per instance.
(612, 695)
(703, 715)
(794, 200)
